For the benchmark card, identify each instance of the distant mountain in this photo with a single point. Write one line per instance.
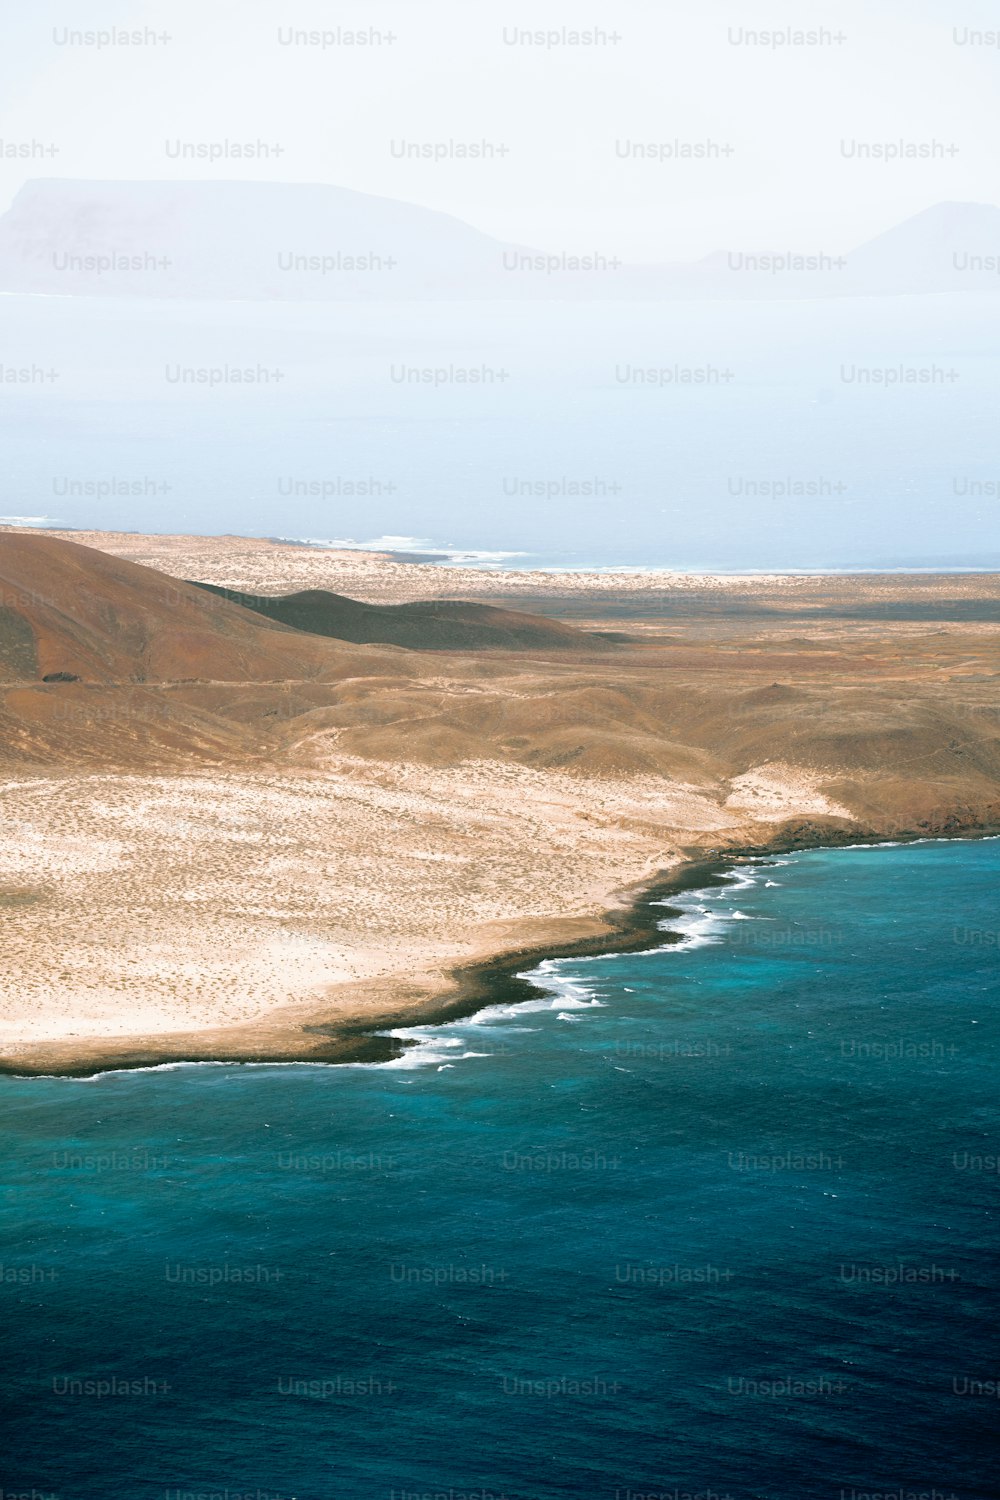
(951, 247)
(432, 625)
(224, 240)
(261, 241)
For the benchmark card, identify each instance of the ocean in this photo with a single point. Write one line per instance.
(718, 1219)
(700, 436)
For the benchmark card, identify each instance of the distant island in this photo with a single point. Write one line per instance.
(269, 241)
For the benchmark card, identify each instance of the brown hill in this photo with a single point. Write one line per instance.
(96, 651)
(427, 625)
(899, 723)
(70, 612)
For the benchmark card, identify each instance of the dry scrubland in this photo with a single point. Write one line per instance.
(257, 843)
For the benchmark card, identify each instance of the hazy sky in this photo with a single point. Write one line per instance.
(787, 119)
(649, 131)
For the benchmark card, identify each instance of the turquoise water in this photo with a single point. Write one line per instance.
(719, 1219)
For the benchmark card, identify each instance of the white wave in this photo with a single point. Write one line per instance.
(560, 998)
(428, 1053)
(879, 844)
(726, 892)
(696, 928)
(497, 1016)
(170, 1067)
(584, 958)
(417, 546)
(435, 1047)
(560, 988)
(889, 844)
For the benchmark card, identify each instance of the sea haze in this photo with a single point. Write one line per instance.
(715, 434)
(716, 1217)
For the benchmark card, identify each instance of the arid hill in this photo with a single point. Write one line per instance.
(893, 720)
(426, 625)
(69, 611)
(90, 646)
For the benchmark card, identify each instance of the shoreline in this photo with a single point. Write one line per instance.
(496, 980)
(502, 981)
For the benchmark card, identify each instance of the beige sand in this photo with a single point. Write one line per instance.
(180, 902)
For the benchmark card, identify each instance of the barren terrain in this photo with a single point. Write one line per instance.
(229, 838)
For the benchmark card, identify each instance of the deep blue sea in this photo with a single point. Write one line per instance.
(718, 1219)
